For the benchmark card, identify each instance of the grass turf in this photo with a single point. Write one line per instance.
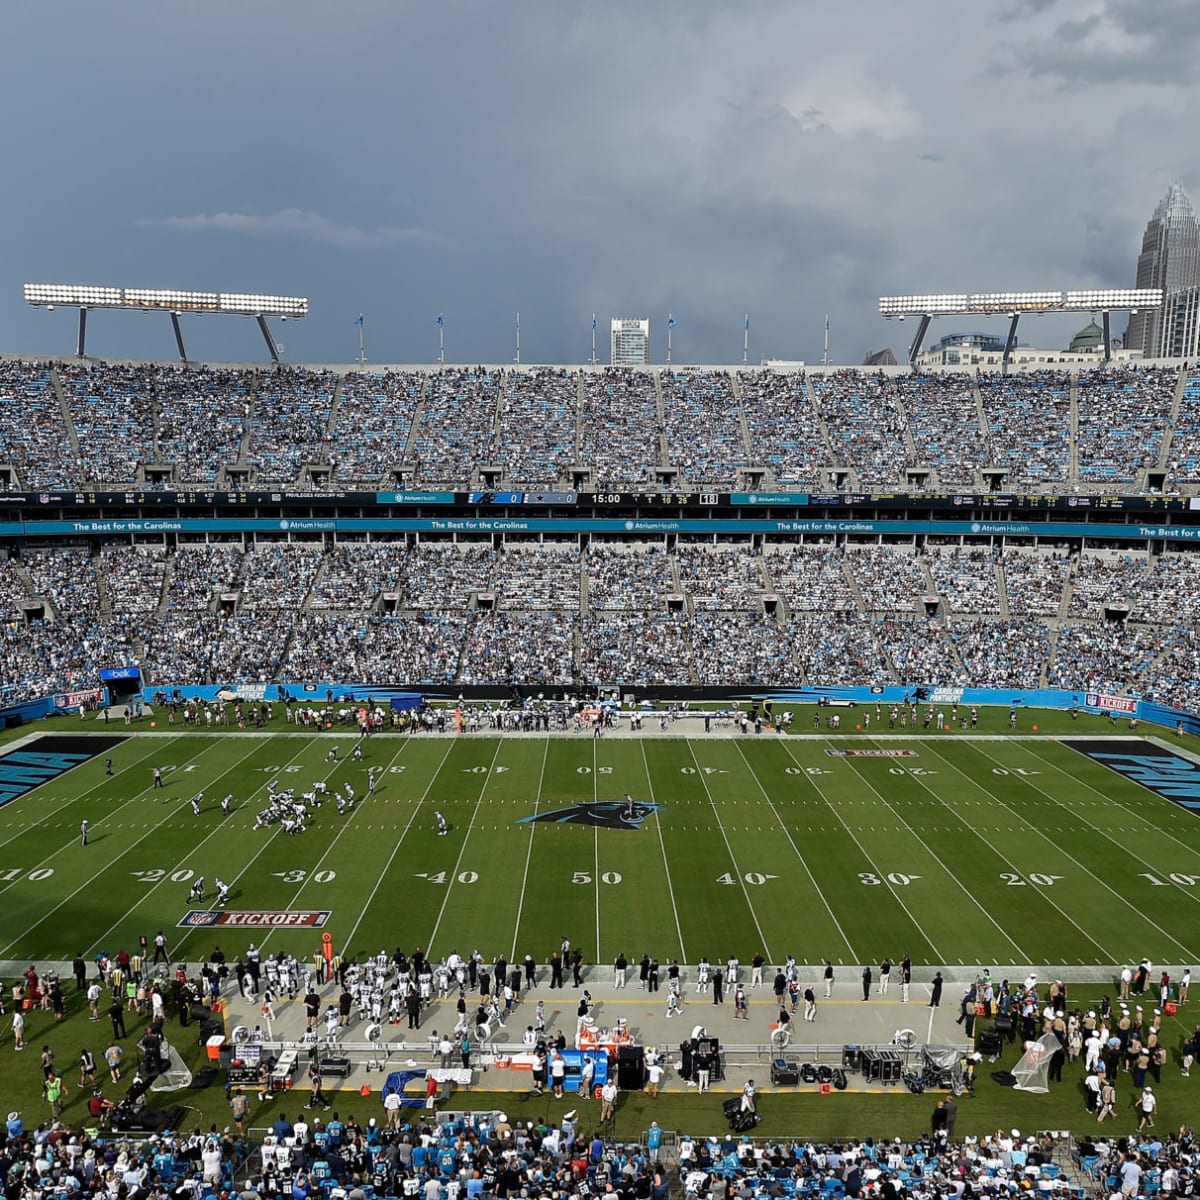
(998, 852)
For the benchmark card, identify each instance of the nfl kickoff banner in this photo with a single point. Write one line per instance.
(255, 918)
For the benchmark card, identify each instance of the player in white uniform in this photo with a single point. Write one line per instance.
(441, 824)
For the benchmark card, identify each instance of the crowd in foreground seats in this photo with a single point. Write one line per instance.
(535, 437)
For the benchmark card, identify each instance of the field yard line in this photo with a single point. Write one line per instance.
(1125, 807)
(1189, 951)
(167, 874)
(537, 800)
(929, 850)
(1190, 893)
(880, 874)
(796, 849)
(663, 846)
(463, 848)
(110, 860)
(82, 796)
(348, 941)
(596, 839)
(344, 826)
(762, 940)
(1004, 858)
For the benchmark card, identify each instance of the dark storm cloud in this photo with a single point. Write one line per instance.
(701, 158)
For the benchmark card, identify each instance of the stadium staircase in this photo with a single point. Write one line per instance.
(334, 402)
(660, 415)
(985, 433)
(910, 447)
(747, 444)
(1002, 590)
(311, 594)
(1073, 470)
(418, 417)
(826, 440)
(72, 436)
(577, 457)
(243, 458)
(164, 598)
(97, 564)
(1164, 454)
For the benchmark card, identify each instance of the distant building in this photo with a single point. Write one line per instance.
(986, 350)
(630, 341)
(880, 358)
(1170, 259)
(1180, 324)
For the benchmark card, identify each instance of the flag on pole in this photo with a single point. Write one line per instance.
(826, 322)
(747, 322)
(518, 322)
(441, 319)
(359, 319)
(593, 322)
(671, 322)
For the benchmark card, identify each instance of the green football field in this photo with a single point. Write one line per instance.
(990, 850)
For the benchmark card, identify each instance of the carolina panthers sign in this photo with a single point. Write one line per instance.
(602, 814)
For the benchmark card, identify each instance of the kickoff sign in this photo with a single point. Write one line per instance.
(259, 918)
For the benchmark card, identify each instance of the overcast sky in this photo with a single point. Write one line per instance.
(629, 159)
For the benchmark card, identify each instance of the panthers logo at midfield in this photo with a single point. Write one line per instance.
(603, 814)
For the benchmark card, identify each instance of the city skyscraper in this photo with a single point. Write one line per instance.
(1170, 259)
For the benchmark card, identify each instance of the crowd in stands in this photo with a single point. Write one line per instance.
(943, 419)
(866, 428)
(628, 576)
(33, 432)
(1122, 416)
(112, 412)
(698, 613)
(1034, 581)
(785, 434)
(457, 428)
(1029, 426)
(289, 423)
(159, 425)
(619, 428)
(703, 427)
(720, 576)
(537, 427)
(374, 419)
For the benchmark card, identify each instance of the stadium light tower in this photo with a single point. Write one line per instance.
(1013, 305)
(174, 303)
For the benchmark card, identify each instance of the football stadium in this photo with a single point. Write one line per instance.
(390, 749)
